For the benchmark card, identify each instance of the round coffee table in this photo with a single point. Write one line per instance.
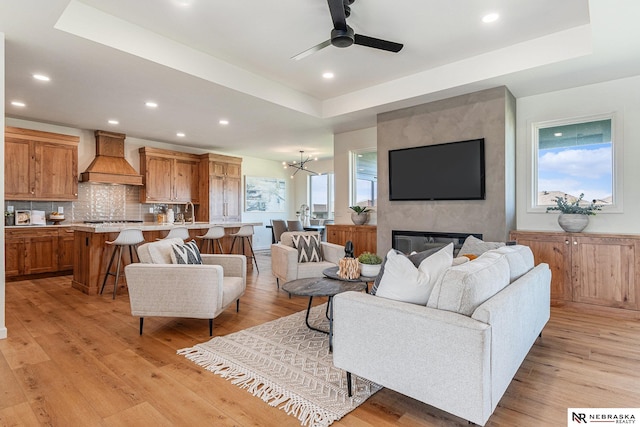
(322, 287)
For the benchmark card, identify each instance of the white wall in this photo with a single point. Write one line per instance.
(250, 166)
(3, 328)
(621, 97)
(343, 144)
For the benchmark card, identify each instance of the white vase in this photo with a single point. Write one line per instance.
(360, 218)
(369, 270)
(573, 223)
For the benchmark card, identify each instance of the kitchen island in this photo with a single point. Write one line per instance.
(91, 254)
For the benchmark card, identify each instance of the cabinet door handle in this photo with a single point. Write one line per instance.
(575, 243)
(566, 242)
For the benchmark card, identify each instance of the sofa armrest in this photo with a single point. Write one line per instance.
(175, 290)
(284, 262)
(232, 265)
(435, 356)
(332, 252)
(517, 314)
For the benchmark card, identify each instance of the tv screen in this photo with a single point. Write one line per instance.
(452, 171)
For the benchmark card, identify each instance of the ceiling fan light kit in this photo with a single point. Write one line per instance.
(302, 165)
(343, 35)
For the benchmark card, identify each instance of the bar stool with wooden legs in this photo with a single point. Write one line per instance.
(245, 232)
(130, 237)
(213, 234)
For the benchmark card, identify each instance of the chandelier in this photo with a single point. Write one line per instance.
(301, 165)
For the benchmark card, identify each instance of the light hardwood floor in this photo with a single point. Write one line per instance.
(77, 360)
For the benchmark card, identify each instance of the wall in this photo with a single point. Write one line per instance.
(86, 152)
(3, 328)
(343, 145)
(621, 97)
(488, 114)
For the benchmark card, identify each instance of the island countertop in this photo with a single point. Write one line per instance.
(108, 227)
(91, 254)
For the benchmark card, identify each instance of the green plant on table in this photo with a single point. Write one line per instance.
(369, 258)
(566, 207)
(360, 209)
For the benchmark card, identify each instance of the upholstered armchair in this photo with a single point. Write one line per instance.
(284, 258)
(202, 291)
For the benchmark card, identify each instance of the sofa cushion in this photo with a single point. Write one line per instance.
(160, 251)
(286, 238)
(415, 258)
(520, 259)
(308, 247)
(464, 287)
(403, 281)
(187, 253)
(474, 246)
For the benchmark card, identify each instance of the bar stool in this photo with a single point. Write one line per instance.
(245, 232)
(181, 232)
(213, 234)
(130, 237)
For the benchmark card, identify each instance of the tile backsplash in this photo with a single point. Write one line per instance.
(96, 202)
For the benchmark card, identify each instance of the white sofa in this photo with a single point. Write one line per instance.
(284, 258)
(159, 288)
(458, 353)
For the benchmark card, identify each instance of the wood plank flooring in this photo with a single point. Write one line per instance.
(77, 360)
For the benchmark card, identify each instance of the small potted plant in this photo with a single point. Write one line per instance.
(574, 217)
(360, 215)
(369, 264)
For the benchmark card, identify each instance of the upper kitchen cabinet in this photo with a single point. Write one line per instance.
(169, 176)
(40, 165)
(220, 188)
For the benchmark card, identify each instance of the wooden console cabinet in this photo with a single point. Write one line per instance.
(364, 237)
(40, 165)
(597, 269)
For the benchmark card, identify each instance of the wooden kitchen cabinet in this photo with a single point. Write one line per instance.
(221, 191)
(169, 176)
(65, 249)
(40, 165)
(364, 237)
(596, 269)
(31, 251)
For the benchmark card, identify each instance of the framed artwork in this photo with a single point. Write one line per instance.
(264, 194)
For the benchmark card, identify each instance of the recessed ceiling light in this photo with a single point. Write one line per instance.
(113, 122)
(183, 3)
(557, 134)
(180, 134)
(224, 122)
(490, 17)
(328, 75)
(41, 77)
(151, 104)
(18, 104)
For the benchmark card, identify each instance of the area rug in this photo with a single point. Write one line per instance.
(288, 366)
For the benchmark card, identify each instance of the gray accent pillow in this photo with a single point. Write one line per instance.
(416, 259)
(474, 246)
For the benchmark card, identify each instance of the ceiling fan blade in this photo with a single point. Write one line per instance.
(377, 43)
(338, 16)
(311, 50)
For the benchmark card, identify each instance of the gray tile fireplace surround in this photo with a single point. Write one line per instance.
(418, 241)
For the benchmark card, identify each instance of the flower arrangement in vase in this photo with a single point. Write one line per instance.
(360, 215)
(574, 217)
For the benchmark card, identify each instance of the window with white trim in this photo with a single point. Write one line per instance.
(365, 178)
(321, 196)
(574, 157)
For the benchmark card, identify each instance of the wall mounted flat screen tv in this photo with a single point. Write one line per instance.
(451, 171)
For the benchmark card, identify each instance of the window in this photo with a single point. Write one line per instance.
(321, 196)
(574, 157)
(365, 178)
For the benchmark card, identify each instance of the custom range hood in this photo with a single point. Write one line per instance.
(110, 166)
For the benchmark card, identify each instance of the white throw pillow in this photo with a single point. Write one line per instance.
(474, 246)
(402, 281)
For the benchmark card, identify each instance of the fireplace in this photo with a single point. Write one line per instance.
(418, 241)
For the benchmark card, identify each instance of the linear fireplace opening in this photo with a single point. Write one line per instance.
(418, 241)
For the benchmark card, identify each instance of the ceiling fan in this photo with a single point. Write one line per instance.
(343, 35)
